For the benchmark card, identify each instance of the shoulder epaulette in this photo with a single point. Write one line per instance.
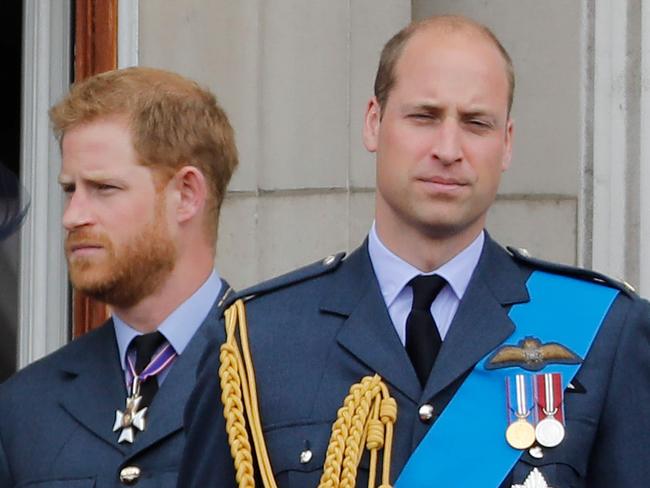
(318, 268)
(522, 255)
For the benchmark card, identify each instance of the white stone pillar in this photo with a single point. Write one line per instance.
(43, 316)
(610, 155)
(644, 245)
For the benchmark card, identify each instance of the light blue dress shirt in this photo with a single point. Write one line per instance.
(393, 275)
(179, 326)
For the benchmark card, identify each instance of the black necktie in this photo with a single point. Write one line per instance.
(145, 346)
(422, 336)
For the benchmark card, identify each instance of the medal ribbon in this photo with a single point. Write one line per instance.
(161, 360)
(561, 309)
(520, 398)
(549, 396)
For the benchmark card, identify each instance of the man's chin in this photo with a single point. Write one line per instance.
(98, 290)
(95, 282)
(113, 294)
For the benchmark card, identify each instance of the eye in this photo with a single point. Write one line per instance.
(479, 125)
(68, 188)
(422, 117)
(104, 187)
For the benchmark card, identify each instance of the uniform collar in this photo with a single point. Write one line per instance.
(179, 326)
(393, 273)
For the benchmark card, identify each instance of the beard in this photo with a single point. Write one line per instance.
(123, 276)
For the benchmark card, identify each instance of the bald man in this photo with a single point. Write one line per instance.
(505, 370)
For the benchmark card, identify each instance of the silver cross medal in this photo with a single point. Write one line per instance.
(534, 480)
(131, 418)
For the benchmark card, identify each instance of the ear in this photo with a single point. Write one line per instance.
(371, 125)
(507, 156)
(191, 191)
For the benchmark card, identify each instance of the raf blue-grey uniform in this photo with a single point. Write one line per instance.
(318, 330)
(56, 417)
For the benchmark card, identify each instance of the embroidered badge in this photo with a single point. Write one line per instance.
(534, 480)
(531, 355)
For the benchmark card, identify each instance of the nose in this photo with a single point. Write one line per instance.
(447, 144)
(77, 212)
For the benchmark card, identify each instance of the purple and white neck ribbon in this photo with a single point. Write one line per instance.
(161, 360)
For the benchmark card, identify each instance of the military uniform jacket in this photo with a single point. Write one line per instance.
(317, 331)
(56, 417)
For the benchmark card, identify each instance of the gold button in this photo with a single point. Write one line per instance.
(329, 260)
(426, 412)
(130, 475)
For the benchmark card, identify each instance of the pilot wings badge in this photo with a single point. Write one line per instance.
(531, 355)
(534, 480)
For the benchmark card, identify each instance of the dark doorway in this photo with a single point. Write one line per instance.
(10, 122)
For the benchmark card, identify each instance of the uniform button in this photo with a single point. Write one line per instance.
(305, 456)
(536, 452)
(329, 260)
(129, 475)
(425, 412)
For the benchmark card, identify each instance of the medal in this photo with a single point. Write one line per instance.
(131, 418)
(549, 432)
(550, 429)
(520, 433)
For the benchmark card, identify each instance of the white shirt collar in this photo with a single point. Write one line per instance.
(393, 273)
(180, 325)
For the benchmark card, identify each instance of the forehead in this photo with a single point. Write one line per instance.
(97, 130)
(461, 59)
(98, 145)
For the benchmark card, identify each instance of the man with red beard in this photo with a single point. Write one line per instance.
(147, 156)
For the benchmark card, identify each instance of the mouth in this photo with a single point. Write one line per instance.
(83, 249)
(437, 183)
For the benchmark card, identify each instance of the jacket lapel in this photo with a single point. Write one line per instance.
(368, 333)
(481, 322)
(95, 384)
(165, 415)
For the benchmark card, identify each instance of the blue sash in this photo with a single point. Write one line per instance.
(561, 309)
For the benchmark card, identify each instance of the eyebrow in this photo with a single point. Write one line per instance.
(433, 107)
(90, 176)
(427, 107)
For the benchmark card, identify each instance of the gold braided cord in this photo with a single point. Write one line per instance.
(354, 427)
(365, 421)
(233, 411)
(236, 320)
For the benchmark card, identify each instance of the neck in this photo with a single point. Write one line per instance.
(189, 273)
(427, 251)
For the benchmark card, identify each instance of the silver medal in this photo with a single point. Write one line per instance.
(132, 417)
(549, 432)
